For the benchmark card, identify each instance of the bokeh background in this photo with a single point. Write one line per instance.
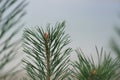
(89, 22)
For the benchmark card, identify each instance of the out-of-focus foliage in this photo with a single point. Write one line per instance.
(116, 44)
(87, 69)
(47, 53)
(11, 13)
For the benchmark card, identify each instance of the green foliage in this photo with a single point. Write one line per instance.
(87, 69)
(11, 12)
(47, 53)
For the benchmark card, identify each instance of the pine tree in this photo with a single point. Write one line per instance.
(11, 12)
(47, 53)
(86, 68)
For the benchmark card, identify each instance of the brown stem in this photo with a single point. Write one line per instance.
(47, 60)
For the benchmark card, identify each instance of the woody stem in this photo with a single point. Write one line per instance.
(47, 61)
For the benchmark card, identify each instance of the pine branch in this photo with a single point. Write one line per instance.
(10, 15)
(86, 69)
(48, 55)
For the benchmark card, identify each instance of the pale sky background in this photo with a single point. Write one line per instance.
(88, 22)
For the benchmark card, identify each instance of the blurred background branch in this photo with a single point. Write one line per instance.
(115, 45)
(11, 13)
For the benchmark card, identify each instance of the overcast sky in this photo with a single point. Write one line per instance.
(89, 22)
